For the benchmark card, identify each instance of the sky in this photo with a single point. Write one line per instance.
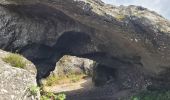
(160, 6)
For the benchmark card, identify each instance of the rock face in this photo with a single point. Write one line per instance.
(133, 41)
(15, 82)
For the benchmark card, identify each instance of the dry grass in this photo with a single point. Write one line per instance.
(120, 17)
(70, 78)
(15, 60)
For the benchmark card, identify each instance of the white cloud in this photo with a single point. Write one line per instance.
(160, 6)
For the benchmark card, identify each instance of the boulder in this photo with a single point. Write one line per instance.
(68, 64)
(17, 83)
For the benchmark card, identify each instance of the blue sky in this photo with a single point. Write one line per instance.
(160, 6)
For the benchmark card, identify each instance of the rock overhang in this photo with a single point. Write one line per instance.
(43, 23)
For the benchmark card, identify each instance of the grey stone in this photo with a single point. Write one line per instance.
(72, 63)
(15, 82)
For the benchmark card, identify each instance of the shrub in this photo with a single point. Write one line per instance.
(52, 96)
(34, 90)
(152, 95)
(15, 60)
(51, 80)
(61, 96)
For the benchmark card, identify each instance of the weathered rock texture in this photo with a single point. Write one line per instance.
(15, 82)
(132, 40)
(67, 64)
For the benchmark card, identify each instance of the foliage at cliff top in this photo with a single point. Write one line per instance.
(15, 60)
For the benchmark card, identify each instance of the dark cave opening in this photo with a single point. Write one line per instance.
(77, 44)
(103, 75)
(74, 43)
(45, 57)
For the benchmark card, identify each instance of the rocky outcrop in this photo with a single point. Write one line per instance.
(15, 83)
(130, 40)
(68, 64)
(29, 65)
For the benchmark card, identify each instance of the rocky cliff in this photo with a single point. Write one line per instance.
(15, 83)
(131, 40)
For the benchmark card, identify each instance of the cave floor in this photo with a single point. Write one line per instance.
(85, 90)
(82, 85)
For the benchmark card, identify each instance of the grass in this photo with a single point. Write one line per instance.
(69, 78)
(15, 60)
(51, 96)
(152, 95)
(46, 95)
(34, 90)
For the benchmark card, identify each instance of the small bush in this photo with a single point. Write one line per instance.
(15, 60)
(152, 95)
(52, 80)
(61, 96)
(34, 90)
(52, 96)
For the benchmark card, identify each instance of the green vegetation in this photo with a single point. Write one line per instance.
(34, 90)
(52, 96)
(52, 80)
(68, 78)
(152, 95)
(120, 17)
(46, 95)
(15, 60)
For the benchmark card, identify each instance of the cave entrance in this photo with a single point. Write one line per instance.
(45, 57)
(78, 44)
(78, 74)
(74, 43)
(103, 75)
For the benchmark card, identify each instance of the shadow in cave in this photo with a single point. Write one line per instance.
(72, 43)
(108, 70)
(45, 57)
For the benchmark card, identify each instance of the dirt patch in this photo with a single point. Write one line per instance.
(83, 84)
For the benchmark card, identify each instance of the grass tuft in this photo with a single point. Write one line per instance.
(34, 90)
(69, 78)
(15, 60)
